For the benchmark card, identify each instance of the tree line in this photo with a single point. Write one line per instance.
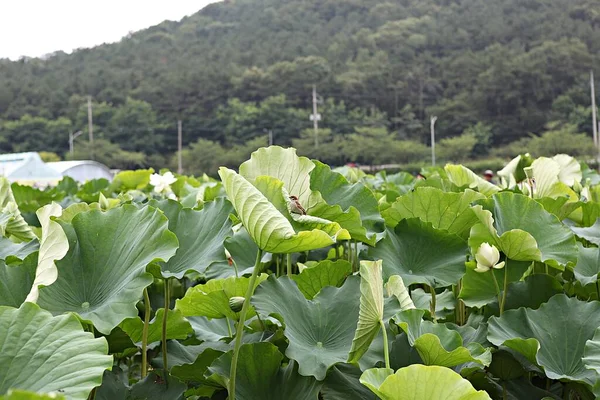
(494, 73)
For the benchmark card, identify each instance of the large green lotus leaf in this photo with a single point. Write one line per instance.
(54, 245)
(326, 273)
(419, 382)
(268, 226)
(355, 207)
(16, 280)
(42, 353)
(370, 316)
(437, 344)
(200, 234)
(343, 383)
(189, 363)
(261, 377)
(211, 330)
(212, 298)
(560, 206)
(463, 177)
(11, 220)
(518, 213)
(478, 289)
(419, 253)
(14, 253)
(591, 233)
(177, 327)
(553, 336)
(103, 275)
(588, 265)
(531, 292)
(444, 210)
(320, 331)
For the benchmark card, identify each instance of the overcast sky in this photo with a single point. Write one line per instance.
(37, 27)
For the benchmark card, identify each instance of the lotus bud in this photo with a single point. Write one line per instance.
(487, 257)
(229, 258)
(577, 187)
(236, 303)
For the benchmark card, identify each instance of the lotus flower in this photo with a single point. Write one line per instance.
(487, 257)
(162, 183)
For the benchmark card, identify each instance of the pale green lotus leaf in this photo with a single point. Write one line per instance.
(420, 382)
(53, 247)
(326, 273)
(284, 165)
(370, 316)
(46, 354)
(211, 299)
(463, 177)
(267, 225)
(11, 220)
(554, 176)
(395, 287)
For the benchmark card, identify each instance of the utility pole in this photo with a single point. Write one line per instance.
(315, 116)
(72, 137)
(90, 127)
(433, 119)
(594, 119)
(179, 148)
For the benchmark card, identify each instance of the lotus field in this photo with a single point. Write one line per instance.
(286, 280)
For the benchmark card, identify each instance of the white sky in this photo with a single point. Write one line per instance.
(37, 27)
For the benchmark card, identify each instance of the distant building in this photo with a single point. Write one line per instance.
(28, 169)
(83, 170)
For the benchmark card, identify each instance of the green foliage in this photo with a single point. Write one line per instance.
(375, 64)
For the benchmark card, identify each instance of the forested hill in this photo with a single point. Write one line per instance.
(240, 67)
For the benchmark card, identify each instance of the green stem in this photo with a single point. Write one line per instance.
(386, 352)
(356, 258)
(229, 327)
(164, 327)
(505, 285)
(503, 390)
(260, 321)
(432, 304)
(289, 264)
(240, 326)
(277, 265)
(497, 288)
(147, 312)
(235, 267)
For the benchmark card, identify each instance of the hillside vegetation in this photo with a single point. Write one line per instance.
(493, 72)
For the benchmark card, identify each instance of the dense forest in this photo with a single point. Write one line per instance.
(501, 76)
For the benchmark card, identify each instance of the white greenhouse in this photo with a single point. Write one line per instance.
(83, 170)
(28, 169)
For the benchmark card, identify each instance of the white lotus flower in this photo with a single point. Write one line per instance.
(162, 183)
(487, 257)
